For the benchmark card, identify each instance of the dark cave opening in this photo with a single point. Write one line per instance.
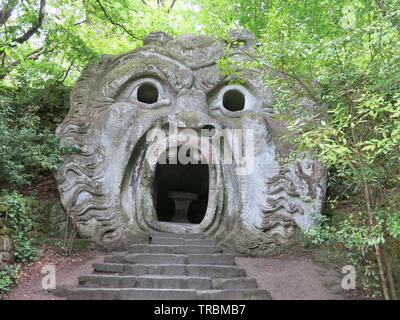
(180, 192)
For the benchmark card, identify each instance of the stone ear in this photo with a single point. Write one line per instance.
(242, 38)
(159, 38)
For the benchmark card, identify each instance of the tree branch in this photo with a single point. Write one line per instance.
(116, 23)
(172, 5)
(35, 27)
(58, 81)
(81, 22)
(34, 55)
(394, 20)
(284, 73)
(6, 11)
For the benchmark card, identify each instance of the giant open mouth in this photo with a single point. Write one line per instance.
(180, 192)
(169, 195)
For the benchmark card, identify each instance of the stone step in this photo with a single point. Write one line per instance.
(215, 271)
(174, 282)
(147, 258)
(234, 283)
(109, 267)
(131, 294)
(182, 241)
(234, 294)
(148, 281)
(107, 281)
(166, 294)
(211, 271)
(172, 267)
(211, 259)
(165, 282)
(176, 235)
(174, 249)
(165, 258)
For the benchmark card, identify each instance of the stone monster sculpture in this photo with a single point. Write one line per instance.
(117, 196)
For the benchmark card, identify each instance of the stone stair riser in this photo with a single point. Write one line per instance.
(182, 241)
(171, 267)
(211, 271)
(176, 235)
(173, 249)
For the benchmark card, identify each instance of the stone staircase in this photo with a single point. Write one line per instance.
(171, 267)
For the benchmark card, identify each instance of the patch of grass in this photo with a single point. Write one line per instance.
(328, 256)
(322, 272)
(79, 245)
(328, 283)
(324, 255)
(84, 245)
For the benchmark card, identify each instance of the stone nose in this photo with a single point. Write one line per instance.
(192, 100)
(191, 111)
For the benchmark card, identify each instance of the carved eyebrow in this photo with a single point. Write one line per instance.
(117, 79)
(208, 79)
(177, 74)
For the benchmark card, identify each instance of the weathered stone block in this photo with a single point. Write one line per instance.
(6, 250)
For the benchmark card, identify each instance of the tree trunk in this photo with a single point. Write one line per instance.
(390, 275)
(378, 254)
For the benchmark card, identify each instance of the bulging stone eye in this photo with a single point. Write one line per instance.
(233, 100)
(147, 93)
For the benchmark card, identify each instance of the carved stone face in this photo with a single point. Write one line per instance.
(117, 196)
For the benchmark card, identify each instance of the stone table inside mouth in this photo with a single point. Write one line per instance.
(182, 202)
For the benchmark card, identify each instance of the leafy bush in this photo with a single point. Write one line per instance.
(27, 150)
(357, 239)
(20, 223)
(8, 274)
(343, 56)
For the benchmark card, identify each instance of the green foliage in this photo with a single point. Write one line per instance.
(345, 56)
(76, 31)
(28, 150)
(356, 240)
(8, 275)
(20, 223)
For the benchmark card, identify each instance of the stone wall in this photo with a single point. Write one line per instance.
(49, 218)
(49, 221)
(6, 250)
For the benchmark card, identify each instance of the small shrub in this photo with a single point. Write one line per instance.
(353, 237)
(8, 275)
(20, 223)
(27, 149)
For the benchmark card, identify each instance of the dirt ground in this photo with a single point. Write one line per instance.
(293, 278)
(65, 276)
(287, 277)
